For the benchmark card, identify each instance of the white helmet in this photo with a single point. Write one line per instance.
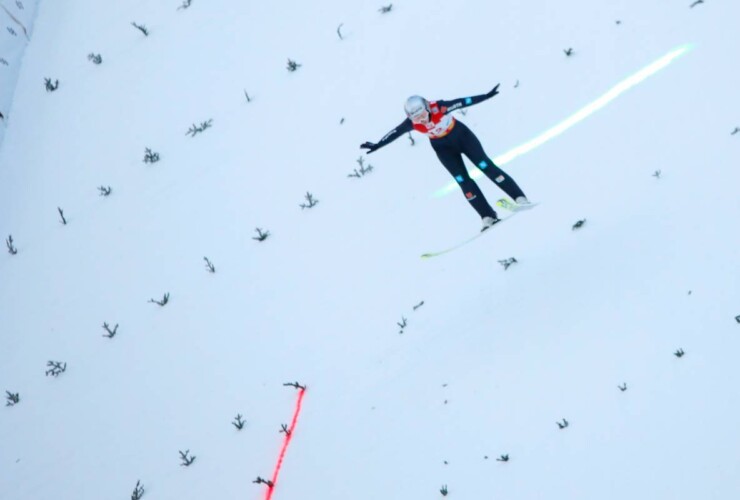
(415, 106)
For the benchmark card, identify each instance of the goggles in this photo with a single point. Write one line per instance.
(419, 116)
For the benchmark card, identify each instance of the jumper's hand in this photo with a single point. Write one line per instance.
(493, 91)
(370, 146)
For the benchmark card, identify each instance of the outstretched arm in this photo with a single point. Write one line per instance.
(405, 126)
(464, 102)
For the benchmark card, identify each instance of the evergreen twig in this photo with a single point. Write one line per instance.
(12, 398)
(11, 248)
(111, 333)
(186, 460)
(311, 201)
(261, 235)
(51, 87)
(163, 302)
(150, 156)
(141, 28)
(238, 422)
(56, 368)
(292, 65)
(209, 265)
(138, 491)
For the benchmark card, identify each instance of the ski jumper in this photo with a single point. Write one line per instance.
(451, 139)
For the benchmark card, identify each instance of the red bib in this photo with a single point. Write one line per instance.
(439, 125)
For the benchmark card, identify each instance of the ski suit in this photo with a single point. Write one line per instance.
(450, 139)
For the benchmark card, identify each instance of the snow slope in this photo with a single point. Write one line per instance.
(16, 21)
(491, 360)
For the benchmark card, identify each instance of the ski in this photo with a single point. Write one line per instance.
(505, 204)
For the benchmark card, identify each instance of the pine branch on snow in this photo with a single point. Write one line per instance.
(163, 302)
(312, 202)
(51, 87)
(12, 398)
(195, 129)
(186, 460)
(508, 262)
(141, 28)
(259, 480)
(238, 422)
(363, 170)
(111, 333)
(209, 265)
(11, 248)
(261, 235)
(138, 491)
(150, 156)
(292, 65)
(57, 368)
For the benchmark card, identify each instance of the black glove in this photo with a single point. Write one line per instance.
(370, 146)
(493, 91)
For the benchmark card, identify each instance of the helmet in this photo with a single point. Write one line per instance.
(415, 106)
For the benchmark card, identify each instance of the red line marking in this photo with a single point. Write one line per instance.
(286, 442)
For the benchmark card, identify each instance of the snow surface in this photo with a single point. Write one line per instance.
(16, 29)
(491, 360)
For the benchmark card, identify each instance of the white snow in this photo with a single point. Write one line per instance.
(16, 28)
(490, 362)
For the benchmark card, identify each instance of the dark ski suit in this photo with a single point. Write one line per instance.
(451, 139)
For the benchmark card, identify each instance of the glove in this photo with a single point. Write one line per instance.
(370, 146)
(493, 91)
